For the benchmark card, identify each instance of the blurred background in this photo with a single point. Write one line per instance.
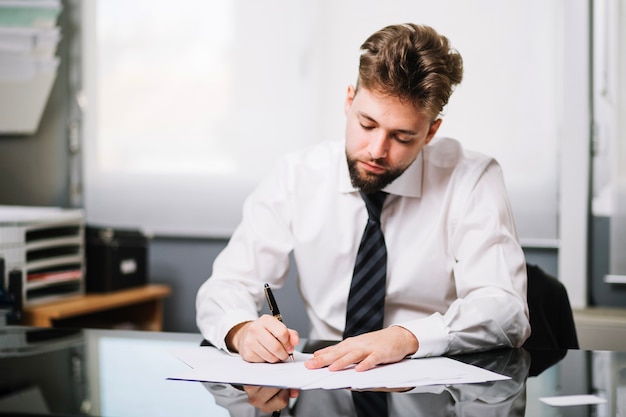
(162, 116)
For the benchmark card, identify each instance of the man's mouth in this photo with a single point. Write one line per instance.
(372, 167)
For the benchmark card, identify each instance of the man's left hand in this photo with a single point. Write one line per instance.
(367, 350)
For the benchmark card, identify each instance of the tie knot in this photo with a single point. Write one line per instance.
(374, 203)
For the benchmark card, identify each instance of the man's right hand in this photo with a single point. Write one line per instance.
(268, 399)
(265, 339)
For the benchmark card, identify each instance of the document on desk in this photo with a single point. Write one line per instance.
(212, 365)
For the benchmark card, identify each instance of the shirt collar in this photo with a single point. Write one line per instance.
(409, 184)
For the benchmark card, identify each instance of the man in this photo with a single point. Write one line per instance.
(454, 277)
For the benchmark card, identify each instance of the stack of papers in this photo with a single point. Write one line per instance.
(29, 37)
(212, 365)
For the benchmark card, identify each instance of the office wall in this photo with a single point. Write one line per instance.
(186, 263)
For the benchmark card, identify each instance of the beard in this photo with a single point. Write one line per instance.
(370, 183)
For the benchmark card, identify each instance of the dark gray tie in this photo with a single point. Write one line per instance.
(366, 302)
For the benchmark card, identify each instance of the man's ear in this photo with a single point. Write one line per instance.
(349, 98)
(432, 131)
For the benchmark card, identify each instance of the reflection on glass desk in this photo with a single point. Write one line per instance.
(123, 373)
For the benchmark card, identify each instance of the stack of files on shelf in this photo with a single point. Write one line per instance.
(47, 246)
(29, 36)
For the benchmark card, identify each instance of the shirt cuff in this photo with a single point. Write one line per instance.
(431, 333)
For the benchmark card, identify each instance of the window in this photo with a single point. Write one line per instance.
(191, 101)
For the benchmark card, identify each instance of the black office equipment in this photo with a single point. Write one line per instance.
(11, 301)
(115, 259)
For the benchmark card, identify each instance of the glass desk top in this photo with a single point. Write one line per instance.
(124, 373)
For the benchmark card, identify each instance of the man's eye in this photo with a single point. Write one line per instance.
(402, 139)
(367, 127)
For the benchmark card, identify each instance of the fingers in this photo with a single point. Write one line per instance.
(366, 351)
(328, 356)
(267, 340)
(267, 399)
(369, 362)
(294, 339)
(343, 355)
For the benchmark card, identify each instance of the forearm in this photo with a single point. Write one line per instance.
(484, 320)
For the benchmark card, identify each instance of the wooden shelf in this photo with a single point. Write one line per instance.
(137, 308)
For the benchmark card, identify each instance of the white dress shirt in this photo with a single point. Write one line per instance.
(456, 275)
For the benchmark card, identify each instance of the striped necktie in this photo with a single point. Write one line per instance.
(366, 302)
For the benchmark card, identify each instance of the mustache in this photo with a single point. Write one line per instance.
(380, 162)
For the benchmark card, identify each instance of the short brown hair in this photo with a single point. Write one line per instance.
(411, 62)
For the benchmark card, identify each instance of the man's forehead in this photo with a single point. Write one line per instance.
(389, 111)
(379, 93)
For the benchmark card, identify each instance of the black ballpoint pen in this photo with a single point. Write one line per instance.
(271, 301)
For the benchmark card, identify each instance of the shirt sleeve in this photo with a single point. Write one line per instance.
(257, 252)
(489, 271)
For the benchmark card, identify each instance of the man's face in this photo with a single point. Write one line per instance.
(384, 135)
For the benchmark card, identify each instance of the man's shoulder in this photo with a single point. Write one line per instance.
(446, 152)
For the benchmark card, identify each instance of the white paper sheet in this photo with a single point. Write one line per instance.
(569, 400)
(212, 365)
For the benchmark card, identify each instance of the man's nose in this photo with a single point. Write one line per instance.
(378, 146)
